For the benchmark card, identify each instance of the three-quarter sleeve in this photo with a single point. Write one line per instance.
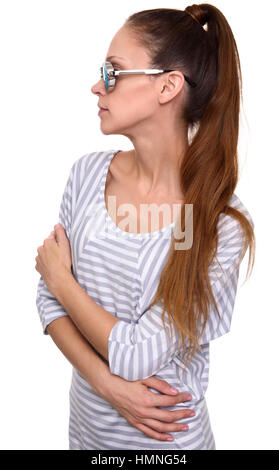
(139, 350)
(48, 307)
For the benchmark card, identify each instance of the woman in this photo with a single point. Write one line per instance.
(111, 292)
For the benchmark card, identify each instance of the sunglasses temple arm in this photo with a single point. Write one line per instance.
(150, 72)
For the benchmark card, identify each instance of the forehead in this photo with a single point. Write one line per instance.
(124, 47)
(112, 57)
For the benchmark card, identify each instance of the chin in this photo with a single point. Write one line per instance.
(108, 131)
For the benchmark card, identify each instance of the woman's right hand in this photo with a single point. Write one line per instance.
(138, 405)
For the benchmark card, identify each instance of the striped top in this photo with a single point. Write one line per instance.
(121, 271)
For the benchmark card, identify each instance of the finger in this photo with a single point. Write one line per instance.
(163, 387)
(162, 428)
(47, 240)
(51, 235)
(166, 400)
(37, 263)
(164, 416)
(151, 433)
(60, 233)
(160, 385)
(155, 399)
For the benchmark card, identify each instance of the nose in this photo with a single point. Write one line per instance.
(98, 87)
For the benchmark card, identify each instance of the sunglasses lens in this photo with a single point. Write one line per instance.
(105, 77)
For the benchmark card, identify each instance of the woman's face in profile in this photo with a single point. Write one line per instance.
(133, 100)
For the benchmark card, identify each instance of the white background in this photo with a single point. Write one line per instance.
(51, 53)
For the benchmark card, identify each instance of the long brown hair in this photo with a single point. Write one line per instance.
(176, 39)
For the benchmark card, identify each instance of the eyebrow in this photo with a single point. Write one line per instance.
(114, 57)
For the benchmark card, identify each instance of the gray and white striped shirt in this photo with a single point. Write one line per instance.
(121, 271)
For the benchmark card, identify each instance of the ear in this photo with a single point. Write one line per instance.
(171, 85)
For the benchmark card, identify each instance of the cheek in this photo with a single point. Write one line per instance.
(134, 100)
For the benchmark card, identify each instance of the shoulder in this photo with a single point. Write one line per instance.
(89, 165)
(238, 204)
(227, 223)
(121, 164)
(91, 161)
(231, 240)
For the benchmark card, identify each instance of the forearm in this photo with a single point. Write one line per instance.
(94, 322)
(80, 354)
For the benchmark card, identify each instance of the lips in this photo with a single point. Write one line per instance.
(102, 107)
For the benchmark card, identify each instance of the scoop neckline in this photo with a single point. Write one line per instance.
(108, 217)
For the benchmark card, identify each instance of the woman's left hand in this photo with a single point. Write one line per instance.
(54, 258)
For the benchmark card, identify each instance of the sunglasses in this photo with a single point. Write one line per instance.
(109, 75)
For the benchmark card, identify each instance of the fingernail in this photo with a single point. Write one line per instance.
(189, 398)
(173, 390)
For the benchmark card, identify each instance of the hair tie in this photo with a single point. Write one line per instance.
(194, 17)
